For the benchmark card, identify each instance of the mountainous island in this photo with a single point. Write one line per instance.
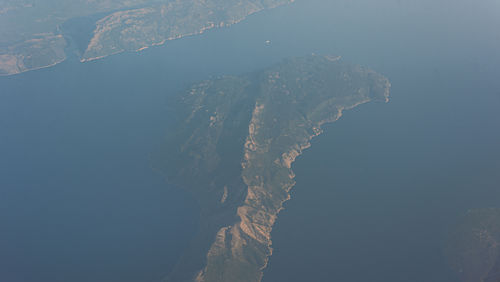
(33, 33)
(234, 148)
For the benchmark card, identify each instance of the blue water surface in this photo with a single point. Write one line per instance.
(80, 202)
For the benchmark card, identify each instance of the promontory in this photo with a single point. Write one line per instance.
(34, 34)
(234, 148)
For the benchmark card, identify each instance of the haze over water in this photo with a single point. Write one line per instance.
(377, 194)
(374, 194)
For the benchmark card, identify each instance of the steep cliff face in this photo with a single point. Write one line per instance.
(279, 110)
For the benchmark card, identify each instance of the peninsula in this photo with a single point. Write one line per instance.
(32, 33)
(234, 149)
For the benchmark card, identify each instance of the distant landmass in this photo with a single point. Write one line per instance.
(473, 249)
(33, 33)
(234, 149)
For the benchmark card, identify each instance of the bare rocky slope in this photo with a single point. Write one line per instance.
(234, 152)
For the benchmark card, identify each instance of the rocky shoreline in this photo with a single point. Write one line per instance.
(130, 30)
(290, 103)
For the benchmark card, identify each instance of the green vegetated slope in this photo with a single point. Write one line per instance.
(137, 29)
(31, 36)
(234, 149)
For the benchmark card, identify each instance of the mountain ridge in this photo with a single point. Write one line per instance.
(235, 148)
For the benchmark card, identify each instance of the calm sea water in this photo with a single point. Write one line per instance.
(377, 194)
(78, 198)
(79, 201)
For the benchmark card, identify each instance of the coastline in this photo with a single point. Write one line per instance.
(34, 69)
(95, 41)
(287, 161)
(241, 251)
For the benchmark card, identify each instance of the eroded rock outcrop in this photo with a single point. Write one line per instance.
(265, 120)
